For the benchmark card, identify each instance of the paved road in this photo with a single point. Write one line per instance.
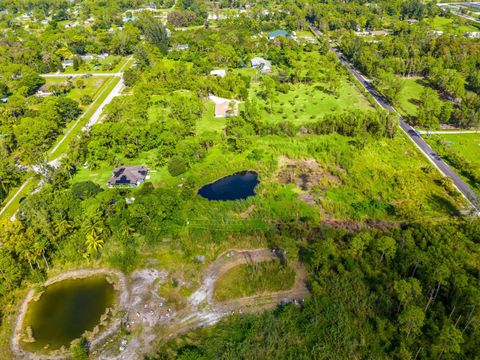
(410, 131)
(96, 115)
(455, 8)
(450, 132)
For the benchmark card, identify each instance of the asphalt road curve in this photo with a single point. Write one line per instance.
(410, 131)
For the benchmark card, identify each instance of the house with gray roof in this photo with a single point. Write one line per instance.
(128, 176)
(261, 64)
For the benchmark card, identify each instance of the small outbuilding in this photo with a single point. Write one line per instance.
(44, 90)
(128, 176)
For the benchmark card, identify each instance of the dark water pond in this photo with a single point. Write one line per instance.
(233, 187)
(66, 310)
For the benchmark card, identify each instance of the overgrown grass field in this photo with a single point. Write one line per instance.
(251, 279)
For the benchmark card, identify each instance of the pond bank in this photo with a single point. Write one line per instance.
(118, 281)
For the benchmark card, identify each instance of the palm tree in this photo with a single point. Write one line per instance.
(93, 243)
(62, 227)
(68, 165)
(95, 238)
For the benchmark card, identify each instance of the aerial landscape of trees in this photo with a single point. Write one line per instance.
(389, 246)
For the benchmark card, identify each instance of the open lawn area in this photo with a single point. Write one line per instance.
(410, 95)
(452, 25)
(309, 103)
(465, 145)
(93, 85)
(208, 122)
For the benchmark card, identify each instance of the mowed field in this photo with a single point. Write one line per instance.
(92, 86)
(410, 95)
(468, 145)
(454, 24)
(309, 103)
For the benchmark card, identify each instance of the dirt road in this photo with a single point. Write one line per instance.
(151, 320)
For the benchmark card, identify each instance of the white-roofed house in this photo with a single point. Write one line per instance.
(261, 64)
(220, 73)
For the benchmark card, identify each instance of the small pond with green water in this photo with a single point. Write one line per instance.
(66, 310)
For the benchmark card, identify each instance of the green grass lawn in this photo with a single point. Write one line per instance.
(308, 103)
(410, 95)
(453, 25)
(93, 86)
(247, 280)
(208, 122)
(466, 145)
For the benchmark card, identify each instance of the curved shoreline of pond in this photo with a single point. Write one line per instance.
(119, 283)
(231, 175)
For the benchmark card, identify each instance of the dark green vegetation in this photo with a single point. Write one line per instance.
(392, 262)
(375, 295)
(65, 310)
(248, 280)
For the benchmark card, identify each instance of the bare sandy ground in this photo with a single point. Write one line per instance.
(143, 318)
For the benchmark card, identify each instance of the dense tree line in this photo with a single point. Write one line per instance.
(406, 293)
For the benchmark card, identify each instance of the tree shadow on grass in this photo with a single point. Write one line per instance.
(415, 102)
(444, 203)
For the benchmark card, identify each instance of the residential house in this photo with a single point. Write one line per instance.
(87, 57)
(372, 33)
(179, 47)
(261, 64)
(224, 107)
(220, 73)
(473, 34)
(128, 176)
(43, 91)
(277, 33)
(102, 56)
(67, 63)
